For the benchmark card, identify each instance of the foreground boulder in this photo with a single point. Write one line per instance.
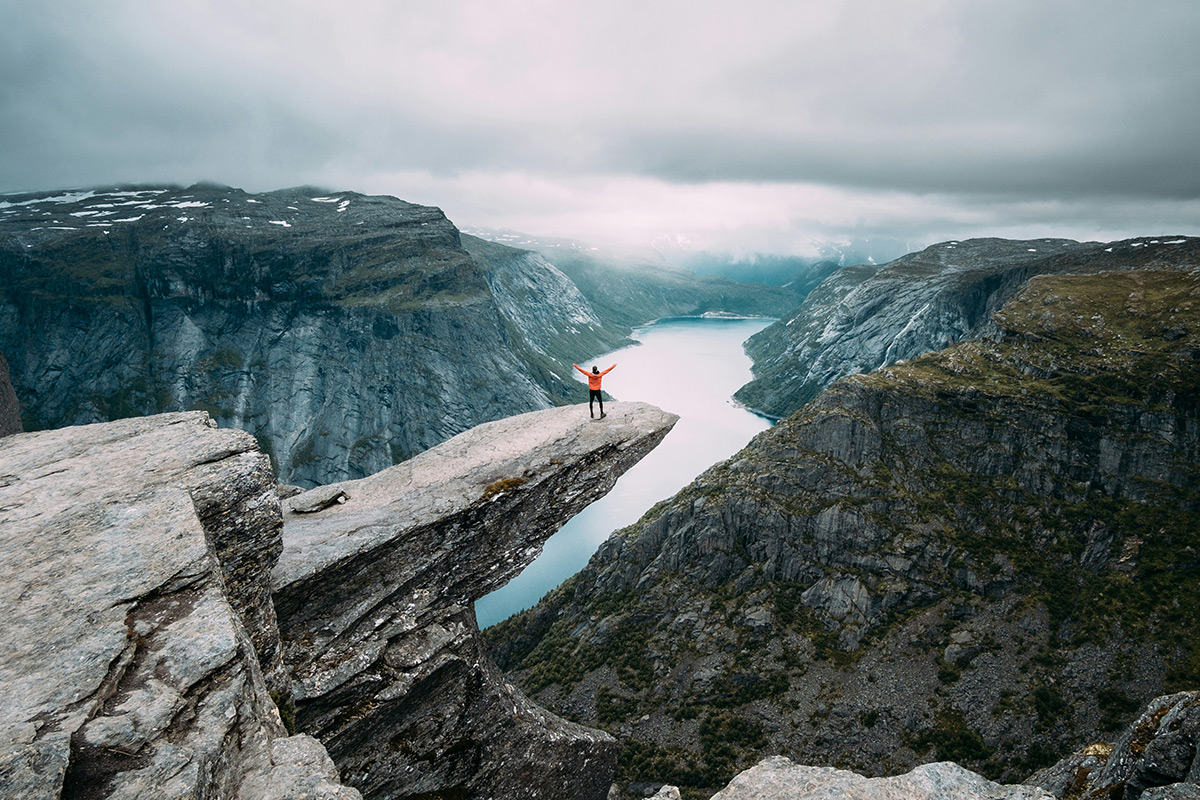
(375, 590)
(129, 555)
(777, 778)
(1157, 757)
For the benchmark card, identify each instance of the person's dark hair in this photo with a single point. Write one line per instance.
(595, 368)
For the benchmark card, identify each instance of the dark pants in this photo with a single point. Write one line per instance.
(593, 396)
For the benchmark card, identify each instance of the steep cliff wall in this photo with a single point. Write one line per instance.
(345, 332)
(133, 556)
(10, 410)
(863, 317)
(985, 554)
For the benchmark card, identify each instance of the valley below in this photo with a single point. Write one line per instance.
(983, 554)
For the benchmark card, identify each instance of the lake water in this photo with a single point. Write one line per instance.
(689, 366)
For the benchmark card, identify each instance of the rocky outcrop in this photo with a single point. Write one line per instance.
(135, 620)
(864, 317)
(778, 778)
(1155, 758)
(10, 411)
(145, 560)
(388, 670)
(1002, 533)
(345, 332)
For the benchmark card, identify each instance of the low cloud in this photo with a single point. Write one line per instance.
(758, 125)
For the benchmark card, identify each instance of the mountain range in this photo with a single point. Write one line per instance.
(345, 332)
(971, 537)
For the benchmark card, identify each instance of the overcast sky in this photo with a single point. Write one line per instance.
(757, 125)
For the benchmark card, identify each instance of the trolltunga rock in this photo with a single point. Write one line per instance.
(375, 597)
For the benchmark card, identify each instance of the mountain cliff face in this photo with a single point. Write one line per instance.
(986, 554)
(345, 332)
(10, 410)
(866, 316)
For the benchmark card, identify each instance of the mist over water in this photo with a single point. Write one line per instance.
(690, 366)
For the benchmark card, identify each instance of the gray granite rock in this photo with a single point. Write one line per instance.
(127, 670)
(374, 597)
(1175, 791)
(777, 778)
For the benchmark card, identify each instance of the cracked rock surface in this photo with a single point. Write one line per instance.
(778, 778)
(125, 661)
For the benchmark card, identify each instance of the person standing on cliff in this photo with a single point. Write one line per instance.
(594, 394)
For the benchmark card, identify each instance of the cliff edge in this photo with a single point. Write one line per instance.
(141, 652)
(391, 675)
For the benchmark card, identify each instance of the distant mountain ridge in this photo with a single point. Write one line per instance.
(636, 286)
(769, 268)
(346, 332)
(866, 316)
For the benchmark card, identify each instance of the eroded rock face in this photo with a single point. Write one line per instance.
(866, 316)
(374, 597)
(10, 411)
(777, 778)
(127, 550)
(1158, 756)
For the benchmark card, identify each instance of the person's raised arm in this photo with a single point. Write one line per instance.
(581, 369)
(610, 369)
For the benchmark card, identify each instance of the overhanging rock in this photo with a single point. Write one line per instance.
(375, 590)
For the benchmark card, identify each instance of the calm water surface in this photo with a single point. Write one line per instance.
(689, 366)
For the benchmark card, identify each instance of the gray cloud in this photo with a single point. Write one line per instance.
(923, 116)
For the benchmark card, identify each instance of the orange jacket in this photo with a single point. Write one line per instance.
(593, 377)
